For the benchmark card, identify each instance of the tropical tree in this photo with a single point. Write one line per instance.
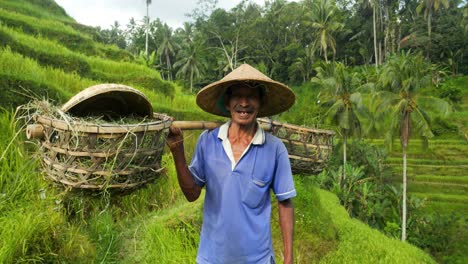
(324, 21)
(114, 35)
(429, 7)
(134, 36)
(402, 79)
(168, 49)
(344, 102)
(304, 64)
(374, 4)
(190, 63)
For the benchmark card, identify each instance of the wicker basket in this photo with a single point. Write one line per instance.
(309, 149)
(87, 155)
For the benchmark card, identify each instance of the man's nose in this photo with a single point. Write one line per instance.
(243, 100)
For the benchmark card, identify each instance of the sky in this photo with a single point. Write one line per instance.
(103, 13)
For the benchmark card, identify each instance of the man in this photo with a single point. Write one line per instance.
(238, 163)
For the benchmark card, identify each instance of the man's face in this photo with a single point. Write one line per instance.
(244, 104)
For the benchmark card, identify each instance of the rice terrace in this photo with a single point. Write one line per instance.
(377, 137)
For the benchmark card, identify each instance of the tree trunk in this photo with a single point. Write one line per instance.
(325, 54)
(429, 32)
(403, 213)
(405, 133)
(375, 39)
(169, 69)
(191, 80)
(147, 29)
(344, 155)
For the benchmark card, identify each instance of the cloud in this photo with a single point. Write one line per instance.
(103, 13)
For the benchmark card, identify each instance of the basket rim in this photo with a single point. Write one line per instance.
(296, 127)
(164, 121)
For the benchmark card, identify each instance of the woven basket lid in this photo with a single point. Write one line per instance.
(111, 100)
(277, 98)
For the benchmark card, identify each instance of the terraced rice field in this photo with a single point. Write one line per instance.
(439, 174)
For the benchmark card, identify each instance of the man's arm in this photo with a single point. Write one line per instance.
(175, 141)
(286, 219)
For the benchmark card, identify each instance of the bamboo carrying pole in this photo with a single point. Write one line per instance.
(201, 125)
(36, 131)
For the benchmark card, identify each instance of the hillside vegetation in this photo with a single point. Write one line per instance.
(45, 54)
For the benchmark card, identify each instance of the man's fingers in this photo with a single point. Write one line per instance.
(175, 131)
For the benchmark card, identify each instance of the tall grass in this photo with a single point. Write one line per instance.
(31, 9)
(18, 170)
(162, 244)
(17, 65)
(45, 51)
(315, 236)
(51, 28)
(360, 244)
(31, 225)
(50, 53)
(65, 33)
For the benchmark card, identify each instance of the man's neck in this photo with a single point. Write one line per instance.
(246, 132)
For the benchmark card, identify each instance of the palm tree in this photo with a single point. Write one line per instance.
(430, 6)
(374, 4)
(303, 64)
(324, 21)
(168, 48)
(340, 90)
(190, 63)
(401, 79)
(148, 2)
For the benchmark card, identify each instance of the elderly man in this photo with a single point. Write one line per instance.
(238, 164)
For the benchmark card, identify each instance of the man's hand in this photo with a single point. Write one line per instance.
(175, 142)
(175, 138)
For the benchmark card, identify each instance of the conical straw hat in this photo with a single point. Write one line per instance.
(277, 96)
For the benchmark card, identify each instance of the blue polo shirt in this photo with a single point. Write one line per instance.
(237, 208)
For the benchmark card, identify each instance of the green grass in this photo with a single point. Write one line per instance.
(31, 8)
(29, 217)
(44, 51)
(442, 188)
(361, 244)
(52, 29)
(416, 169)
(440, 197)
(439, 207)
(18, 68)
(462, 179)
(65, 33)
(50, 53)
(412, 161)
(169, 235)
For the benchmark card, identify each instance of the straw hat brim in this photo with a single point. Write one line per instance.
(118, 99)
(277, 96)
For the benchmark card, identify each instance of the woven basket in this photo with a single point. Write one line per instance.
(309, 149)
(87, 155)
(90, 156)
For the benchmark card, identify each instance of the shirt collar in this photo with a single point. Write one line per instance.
(258, 139)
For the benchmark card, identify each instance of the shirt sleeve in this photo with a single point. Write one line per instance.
(283, 184)
(197, 164)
